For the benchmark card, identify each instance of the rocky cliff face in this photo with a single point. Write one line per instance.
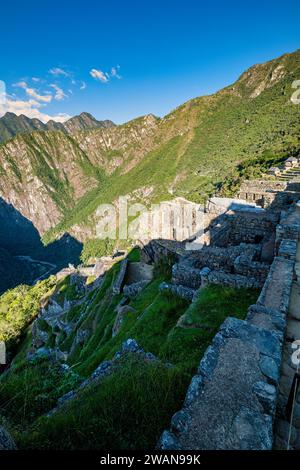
(85, 121)
(43, 174)
(122, 146)
(187, 153)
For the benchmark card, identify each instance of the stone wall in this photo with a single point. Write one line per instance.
(183, 274)
(231, 401)
(118, 284)
(220, 205)
(183, 292)
(261, 192)
(230, 280)
(251, 269)
(268, 193)
(289, 227)
(219, 258)
(234, 266)
(155, 250)
(251, 228)
(242, 227)
(132, 290)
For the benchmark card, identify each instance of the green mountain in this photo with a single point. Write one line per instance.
(203, 146)
(104, 369)
(11, 125)
(57, 180)
(84, 122)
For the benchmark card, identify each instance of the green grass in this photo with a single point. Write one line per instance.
(32, 389)
(66, 291)
(130, 408)
(134, 255)
(184, 345)
(19, 306)
(96, 248)
(206, 145)
(128, 411)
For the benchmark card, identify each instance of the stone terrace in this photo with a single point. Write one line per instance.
(237, 399)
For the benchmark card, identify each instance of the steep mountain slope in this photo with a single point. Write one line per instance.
(52, 178)
(202, 145)
(23, 257)
(11, 125)
(44, 173)
(106, 386)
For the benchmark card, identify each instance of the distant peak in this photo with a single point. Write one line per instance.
(9, 114)
(85, 114)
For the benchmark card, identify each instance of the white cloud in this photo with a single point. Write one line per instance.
(2, 92)
(33, 93)
(59, 93)
(99, 75)
(56, 71)
(114, 72)
(30, 109)
(83, 86)
(20, 84)
(105, 77)
(60, 117)
(35, 79)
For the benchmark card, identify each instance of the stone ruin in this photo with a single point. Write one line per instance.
(238, 397)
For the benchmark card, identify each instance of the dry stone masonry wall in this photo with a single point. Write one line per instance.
(231, 401)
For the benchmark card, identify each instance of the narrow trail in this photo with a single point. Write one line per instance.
(29, 259)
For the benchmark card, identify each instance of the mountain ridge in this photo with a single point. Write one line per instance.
(12, 124)
(192, 152)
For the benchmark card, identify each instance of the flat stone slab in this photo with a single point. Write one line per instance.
(138, 271)
(288, 369)
(297, 271)
(288, 249)
(277, 288)
(230, 403)
(6, 441)
(293, 329)
(294, 306)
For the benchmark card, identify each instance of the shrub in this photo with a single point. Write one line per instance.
(95, 248)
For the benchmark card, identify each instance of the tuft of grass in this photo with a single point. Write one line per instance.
(128, 410)
(32, 389)
(188, 340)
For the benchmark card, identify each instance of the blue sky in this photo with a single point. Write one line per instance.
(120, 59)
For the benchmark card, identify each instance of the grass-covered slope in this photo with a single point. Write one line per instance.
(129, 408)
(190, 152)
(194, 150)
